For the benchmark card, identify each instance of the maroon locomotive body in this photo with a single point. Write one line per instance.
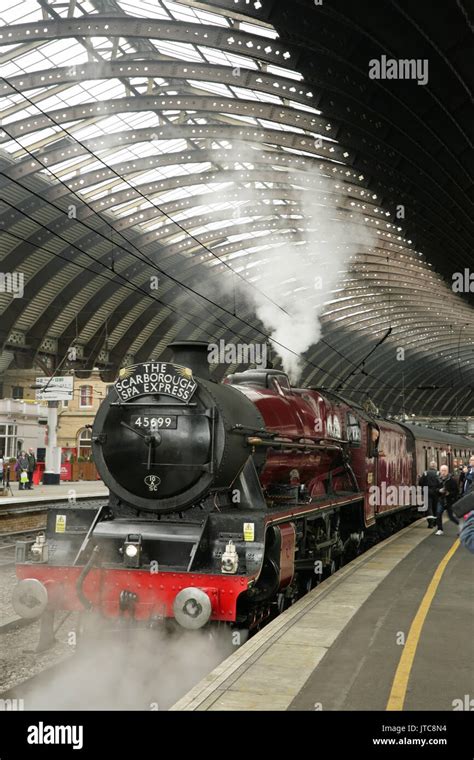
(227, 501)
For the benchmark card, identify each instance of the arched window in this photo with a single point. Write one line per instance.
(86, 396)
(84, 442)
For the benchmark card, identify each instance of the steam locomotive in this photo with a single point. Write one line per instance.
(228, 501)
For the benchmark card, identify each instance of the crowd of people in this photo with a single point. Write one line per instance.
(445, 490)
(24, 467)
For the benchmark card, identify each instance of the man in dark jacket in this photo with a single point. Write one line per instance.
(448, 494)
(31, 467)
(462, 476)
(469, 477)
(430, 480)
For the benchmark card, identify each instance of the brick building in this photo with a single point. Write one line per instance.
(73, 416)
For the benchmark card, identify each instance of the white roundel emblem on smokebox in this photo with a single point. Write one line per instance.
(152, 481)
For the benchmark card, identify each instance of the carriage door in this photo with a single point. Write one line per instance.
(372, 467)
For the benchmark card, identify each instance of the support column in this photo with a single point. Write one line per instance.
(52, 470)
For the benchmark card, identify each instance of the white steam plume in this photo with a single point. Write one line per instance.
(304, 268)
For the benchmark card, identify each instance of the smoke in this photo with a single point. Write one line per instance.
(318, 233)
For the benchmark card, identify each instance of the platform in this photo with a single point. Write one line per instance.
(83, 489)
(392, 630)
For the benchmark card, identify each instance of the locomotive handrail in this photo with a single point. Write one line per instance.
(261, 434)
(150, 403)
(252, 441)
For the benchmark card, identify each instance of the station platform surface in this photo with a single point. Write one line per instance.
(393, 630)
(83, 489)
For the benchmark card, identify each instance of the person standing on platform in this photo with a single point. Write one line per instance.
(448, 494)
(31, 467)
(469, 477)
(2, 468)
(430, 480)
(21, 469)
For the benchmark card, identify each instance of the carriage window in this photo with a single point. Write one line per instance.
(353, 430)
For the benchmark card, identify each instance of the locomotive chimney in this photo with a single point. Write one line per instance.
(192, 354)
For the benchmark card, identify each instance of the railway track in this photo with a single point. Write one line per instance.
(30, 516)
(14, 698)
(12, 529)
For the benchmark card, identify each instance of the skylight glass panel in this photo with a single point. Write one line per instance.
(244, 119)
(20, 11)
(245, 235)
(213, 87)
(258, 29)
(144, 8)
(183, 12)
(280, 126)
(42, 134)
(223, 58)
(303, 107)
(142, 119)
(264, 97)
(182, 51)
(286, 73)
(31, 61)
(109, 87)
(9, 68)
(20, 115)
(52, 54)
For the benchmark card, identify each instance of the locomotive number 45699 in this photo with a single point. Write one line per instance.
(154, 423)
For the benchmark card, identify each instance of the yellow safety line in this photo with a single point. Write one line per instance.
(400, 682)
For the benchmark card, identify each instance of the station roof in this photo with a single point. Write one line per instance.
(204, 170)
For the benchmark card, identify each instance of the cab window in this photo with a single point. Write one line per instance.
(353, 430)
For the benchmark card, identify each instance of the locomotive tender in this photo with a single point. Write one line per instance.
(227, 501)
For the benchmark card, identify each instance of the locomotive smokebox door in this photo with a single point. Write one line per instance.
(163, 439)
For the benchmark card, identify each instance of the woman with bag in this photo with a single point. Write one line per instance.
(21, 469)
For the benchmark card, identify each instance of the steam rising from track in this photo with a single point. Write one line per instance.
(132, 670)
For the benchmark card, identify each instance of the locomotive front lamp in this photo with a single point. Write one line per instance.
(132, 550)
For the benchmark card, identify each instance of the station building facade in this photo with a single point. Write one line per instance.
(23, 419)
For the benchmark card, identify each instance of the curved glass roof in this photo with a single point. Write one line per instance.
(166, 172)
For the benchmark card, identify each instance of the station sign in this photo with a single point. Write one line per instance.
(55, 388)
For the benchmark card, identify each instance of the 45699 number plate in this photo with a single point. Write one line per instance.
(152, 422)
